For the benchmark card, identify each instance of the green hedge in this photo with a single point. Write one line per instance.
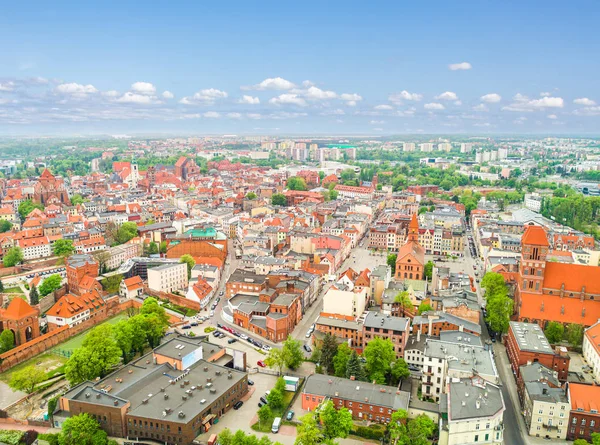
(370, 432)
(52, 439)
(11, 437)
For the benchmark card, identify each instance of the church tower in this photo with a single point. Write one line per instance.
(413, 229)
(534, 249)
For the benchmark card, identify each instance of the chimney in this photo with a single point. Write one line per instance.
(478, 404)
(418, 335)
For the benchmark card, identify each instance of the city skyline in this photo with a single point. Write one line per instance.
(322, 69)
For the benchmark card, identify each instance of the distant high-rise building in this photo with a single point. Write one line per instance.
(408, 146)
(426, 147)
(502, 153)
(445, 146)
(466, 147)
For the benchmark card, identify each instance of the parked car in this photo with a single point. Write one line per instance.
(263, 400)
(216, 333)
(219, 325)
(212, 313)
(194, 323)
(290, 415)
(307, 348)
(261, 364)
(266, 348)
(250, 382)
(260, 404)
(258, 344)
(221, 293)
(238, 404)
(308, 334)
(243, 336)
(232, 340)
(187, 326)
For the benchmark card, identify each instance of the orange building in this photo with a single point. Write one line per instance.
(548, 291)
(20, 318)
(410, 262)
(81, 271)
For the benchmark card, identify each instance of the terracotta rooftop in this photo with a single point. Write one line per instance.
(18, 309)
(535, 235)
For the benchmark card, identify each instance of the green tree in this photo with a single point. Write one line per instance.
(292, 353)
(26, 207)
(555, 332)
(97, 356)
(498, 304)
(420, 430)
(7, 341)
(76, 199)
(340, 361)
(251, 196)
(63, 248)
(124, 337)
(296, 183)
(399, 371)
(336, 422)
(308, 432)
(355, 367)
(5, 225)
(163, 247)
(150, 306)
(275, 399)
(424, 307)
(126, 232)
(265, 415)
(575, 334)
(27, 379)
(333, 194)
(34, 296)
(397, 427)
(152, 248)
(50, 284)
(112, 283)
(190, 262)
(82, 430)
(404, 301)
(379, 354)
(595, 438)
(391, 261)
(493, 283)
(13, 257)
(428, 270)
(153, 328)
(278, 199)
(581, 442)
(328, 350)
(275, 359)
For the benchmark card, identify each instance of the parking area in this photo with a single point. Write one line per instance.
(578, 367)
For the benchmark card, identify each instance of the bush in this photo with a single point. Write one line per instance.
(52, 405)
(11, 437)
(209, 329)
(375, 432)
(52, 439)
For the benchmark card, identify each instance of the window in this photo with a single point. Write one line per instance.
(476, 437)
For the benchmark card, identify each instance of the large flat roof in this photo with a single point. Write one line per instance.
(530, 337)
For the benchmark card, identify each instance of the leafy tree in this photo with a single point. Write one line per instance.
(7, 341)
(102, 256)
(292, 353)
(391, 261)
(150, 306)
(280, 385)
(336, 422)
(13, 257)
(355, 367)
(296, 183)
(575, 334)
(265, 414)
(278, 199)
(581, 442)
(275, 359)
(5, 225)
(493, 283)
(399, 371)
(97, 356)
(595, 438)
(82, 430)
(34, 296)
(63, 247)
(152, 248)
(126, 232)
(379, 354)
(403, 298)
(554, 332)
(424, 307)
(428, 270)
(124, 337)
(275, 399)
(333, 194)
(163, 247)
(420, 429)
(308, 433)
(50, 284)
(251, 196)
(190, 262)
(27, 379)
(112, 283)
(26, 207)
(340, 361)
(328, 351)
(76, 199)
(397, 427)
(153, 327)
(499, 305)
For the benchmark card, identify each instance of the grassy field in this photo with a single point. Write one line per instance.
(77, 341)
(13, 290)
(51, 363)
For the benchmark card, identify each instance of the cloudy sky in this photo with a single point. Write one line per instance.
(333, 67)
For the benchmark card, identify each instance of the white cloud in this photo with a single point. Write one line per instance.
(434, 106)
(212, 115)
(483, 124)
(545, 94)
(491, 98)
(552, 116)
(288, 99)
(168, 95)
(319, 94)
(249, 100)
(351, 97)
(377, 122)
(336, 112)
(111, 93)
(351, 103)
(307, 84)
(460, 66)
(405, 95)
(523, 103)
(143, 88)
(7, 86)
(481, 107)
(75, 89)
(448, 95)
(132, 98)
(234, 115)
(458, 103)
(384, 107)
(585, 102)
(204, 97)
(272, 83)
(587, 111)
(547, 102)
(255, 116)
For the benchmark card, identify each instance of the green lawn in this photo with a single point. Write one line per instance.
(13, 290)
(76, 342)
(51, 363)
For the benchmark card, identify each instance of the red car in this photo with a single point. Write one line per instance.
(261, 364)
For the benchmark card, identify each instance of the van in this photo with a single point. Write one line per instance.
(276, 424)
(212, 440)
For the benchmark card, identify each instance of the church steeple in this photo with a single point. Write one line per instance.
(413, 229)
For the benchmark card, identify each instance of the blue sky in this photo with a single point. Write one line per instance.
(299, 67)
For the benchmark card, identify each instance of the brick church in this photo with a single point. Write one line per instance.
(50, 190)
(410, 262)
(550, 291)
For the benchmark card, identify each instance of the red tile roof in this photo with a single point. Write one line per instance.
(133, 283)
(584, 397)
(574, 277)
(535, 235)
(586, 312)
(18, 309)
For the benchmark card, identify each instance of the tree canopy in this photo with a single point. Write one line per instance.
(292, 353)
(190, 262)
(50, 284)
(296, 183)
(278, 199)
(498, 304)
(13, 257)
(27, 379)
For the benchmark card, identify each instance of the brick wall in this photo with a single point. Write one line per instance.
(175, 299)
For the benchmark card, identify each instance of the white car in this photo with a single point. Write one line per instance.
(243, 336)
(212, 313)
(266, 348)
(308, 334)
